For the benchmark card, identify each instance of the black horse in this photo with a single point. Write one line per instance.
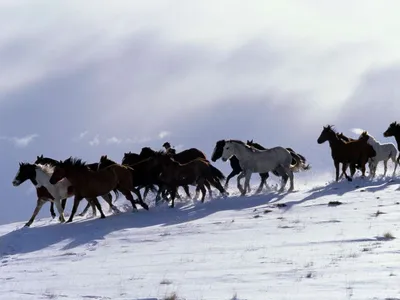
(297, 158)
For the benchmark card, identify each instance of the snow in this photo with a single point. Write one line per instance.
(235, 248)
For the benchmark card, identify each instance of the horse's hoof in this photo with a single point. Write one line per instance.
(69, 221)
(27, 225)
(103, 217)
(53, 216)
(81, 215)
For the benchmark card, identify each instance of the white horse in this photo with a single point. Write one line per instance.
(259, 161)
(384, 152)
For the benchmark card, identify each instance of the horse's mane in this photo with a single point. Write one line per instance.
(242, 143)
(74, 162)
(130, 154)
(46, 168)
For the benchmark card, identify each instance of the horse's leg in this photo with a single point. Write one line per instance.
(96, 202)
(385, 167)
(140, 200)
(58, 205)
(217, 184)
(239, 186)
(39, 204)
(52, 212)
(337, 170)
(200, 185)
(232, 174)
(352, 168)
(128, 197)
(264, 177)
(84, 211)
(108, 199)
(207, 185)
(363, 169)
(289, 173)
(187, 192)
(247, 182)
(395, 164)
(77, 199)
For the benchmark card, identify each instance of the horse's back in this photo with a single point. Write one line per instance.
(188, 155)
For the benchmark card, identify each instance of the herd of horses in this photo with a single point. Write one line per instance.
(163, 172)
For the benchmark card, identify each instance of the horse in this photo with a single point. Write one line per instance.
(235, 165)
(195, 172)
(353, 152)
(90, 184)
(297, 159)
(93, 166)
(182, 157)
(39, 175)
(106, 162)
(252, 160)
(394, 130)
(384, 152)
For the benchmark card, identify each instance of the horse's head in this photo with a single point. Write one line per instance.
(393, 130)
(326, 134)
(26, 171)
(228, 150)
(104, 162)
(217, 152)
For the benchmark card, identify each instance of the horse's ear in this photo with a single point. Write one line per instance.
(20, 164)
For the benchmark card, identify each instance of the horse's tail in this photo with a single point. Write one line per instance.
(116, 192)
(217, 174)
(299, 163)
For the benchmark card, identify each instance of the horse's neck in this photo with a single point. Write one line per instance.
(397, 138)
(373, 142)
(242, 152)
(42, 178)
(335, 143)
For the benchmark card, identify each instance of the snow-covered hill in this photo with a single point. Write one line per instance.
(270, 246)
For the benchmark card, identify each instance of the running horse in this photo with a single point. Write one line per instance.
(252, 160)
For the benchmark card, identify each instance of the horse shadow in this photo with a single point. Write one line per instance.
(90, 231)
(342, 187)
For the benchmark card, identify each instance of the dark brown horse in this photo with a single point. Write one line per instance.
(91, 184)
(353, 152)
(182, 157)
(394, 130)
(195, 172)
(105, 162)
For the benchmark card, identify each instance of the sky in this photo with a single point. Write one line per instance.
(87, 78)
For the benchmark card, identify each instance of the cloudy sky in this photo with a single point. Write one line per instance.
(87, 78)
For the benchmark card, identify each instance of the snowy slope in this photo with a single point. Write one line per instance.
(244, 246)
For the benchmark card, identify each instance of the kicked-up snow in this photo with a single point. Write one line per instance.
(323, 241)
